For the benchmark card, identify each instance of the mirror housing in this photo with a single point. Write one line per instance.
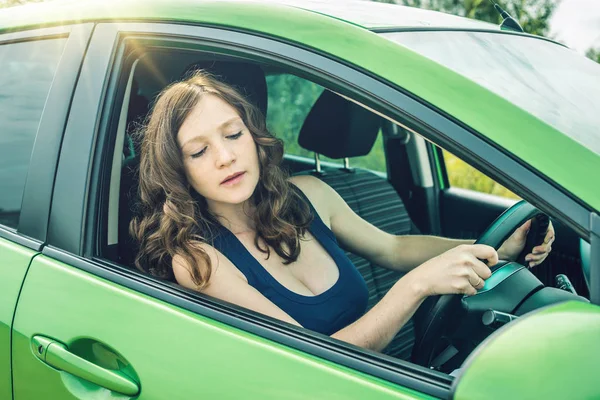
(553, 352)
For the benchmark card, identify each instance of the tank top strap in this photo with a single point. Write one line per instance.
(230, 246)
(317, 223)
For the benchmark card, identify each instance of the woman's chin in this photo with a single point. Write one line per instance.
(235, 196)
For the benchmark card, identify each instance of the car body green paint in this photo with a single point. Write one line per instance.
(538, 369)
(50, 287)
(483, 111)
(180, 342)
(13, 268)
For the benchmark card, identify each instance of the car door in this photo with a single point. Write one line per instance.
(14, 260)
(86, 327)
(30, 61)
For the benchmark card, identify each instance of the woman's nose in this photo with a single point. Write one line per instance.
(225, 155)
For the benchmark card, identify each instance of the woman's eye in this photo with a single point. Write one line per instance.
(198, 154)
(234, 137)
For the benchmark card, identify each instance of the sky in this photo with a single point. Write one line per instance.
(576, 23)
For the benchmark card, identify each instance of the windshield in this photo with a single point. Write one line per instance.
(549, 81)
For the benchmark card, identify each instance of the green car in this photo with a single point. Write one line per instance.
(365, 96)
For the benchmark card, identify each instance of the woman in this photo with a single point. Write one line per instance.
(220, 216)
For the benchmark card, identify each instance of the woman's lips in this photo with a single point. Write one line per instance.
(232, 181)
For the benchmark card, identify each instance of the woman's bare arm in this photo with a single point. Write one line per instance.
(354, 234)
(229, 284)
(374, 330)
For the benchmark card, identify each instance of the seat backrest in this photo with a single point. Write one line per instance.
(338, 128)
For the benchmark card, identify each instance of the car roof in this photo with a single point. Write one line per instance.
(375, 15)
(341, 34)
(368, 14)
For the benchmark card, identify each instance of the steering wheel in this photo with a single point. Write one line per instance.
(441, 316)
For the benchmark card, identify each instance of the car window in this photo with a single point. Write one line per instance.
(289, 102)
(534, 74)
(290, 99)
(27, 72)
(462, 175)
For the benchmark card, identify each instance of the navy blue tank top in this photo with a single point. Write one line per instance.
(328, 312)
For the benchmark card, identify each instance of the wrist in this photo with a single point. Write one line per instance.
(416, 285)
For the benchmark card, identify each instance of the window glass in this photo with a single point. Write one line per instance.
(462, 175)
(549, 81)
(27, 72)
(290, 100)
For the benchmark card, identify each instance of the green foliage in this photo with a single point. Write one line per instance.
(290, 101)
(462, 175)
(593, 54)
(11, 3)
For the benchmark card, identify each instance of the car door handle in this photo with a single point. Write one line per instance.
(58, 356)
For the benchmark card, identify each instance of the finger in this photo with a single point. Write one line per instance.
(484, 252)
(480, 269)
(549, 233)
(475, 280)
(469, 290)
(545, 248)
(535, 263)
(535, 257)
(522, 231)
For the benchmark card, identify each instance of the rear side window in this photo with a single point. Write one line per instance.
(28, 69)
(290, 100)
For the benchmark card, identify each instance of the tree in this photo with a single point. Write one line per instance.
(593, 54)
(533, 15)
(10, 3)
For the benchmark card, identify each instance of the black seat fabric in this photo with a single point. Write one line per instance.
(248, 79)
(368, 195)
(338, 128)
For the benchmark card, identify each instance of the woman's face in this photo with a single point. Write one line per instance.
(219, 154)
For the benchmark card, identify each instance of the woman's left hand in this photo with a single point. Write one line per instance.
(513, 246)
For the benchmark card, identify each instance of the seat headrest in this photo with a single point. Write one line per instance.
(248, 79)
(338, 128)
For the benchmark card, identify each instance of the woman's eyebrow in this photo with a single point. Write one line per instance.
(197, 138)
(229, 122)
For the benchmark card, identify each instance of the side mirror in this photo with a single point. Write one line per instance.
(553, 352)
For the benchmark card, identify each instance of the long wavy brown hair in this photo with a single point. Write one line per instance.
(173, 219)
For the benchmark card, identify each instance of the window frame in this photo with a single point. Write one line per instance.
(35, 204)
(72, 235)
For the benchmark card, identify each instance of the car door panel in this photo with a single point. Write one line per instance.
(14, 260)
(171, 352)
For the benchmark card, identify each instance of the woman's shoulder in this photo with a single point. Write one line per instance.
(221, 266)
(308, 184)
(316, 191)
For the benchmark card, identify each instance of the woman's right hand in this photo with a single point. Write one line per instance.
(457, 271)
